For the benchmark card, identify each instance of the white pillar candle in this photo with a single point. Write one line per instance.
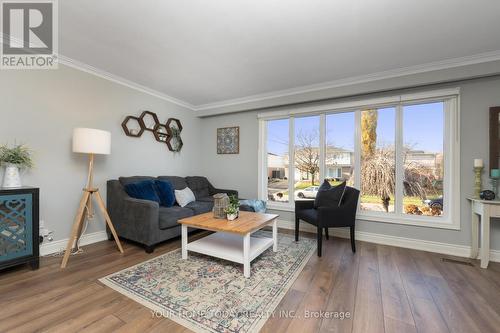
(478, 163)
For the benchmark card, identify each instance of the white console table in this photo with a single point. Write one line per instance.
(485, 209)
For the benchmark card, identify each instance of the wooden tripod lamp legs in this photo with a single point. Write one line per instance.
(80, 219)
(100, 202)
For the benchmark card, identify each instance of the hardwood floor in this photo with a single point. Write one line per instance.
(383, 288)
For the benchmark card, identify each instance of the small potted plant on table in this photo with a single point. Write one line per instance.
(233, 208)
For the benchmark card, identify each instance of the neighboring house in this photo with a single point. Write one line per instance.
(433, 161)
(276, 166)
(339, 164)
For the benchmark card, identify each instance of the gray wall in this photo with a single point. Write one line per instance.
(41, 108)
(476, 98)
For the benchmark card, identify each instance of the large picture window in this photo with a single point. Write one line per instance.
(400, 152)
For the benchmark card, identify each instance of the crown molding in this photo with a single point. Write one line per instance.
(209, 109)
(67, 61)
(120, 80)
(389, 74)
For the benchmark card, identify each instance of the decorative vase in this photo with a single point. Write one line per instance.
(11, 177)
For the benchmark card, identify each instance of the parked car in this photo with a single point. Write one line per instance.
(437, 203)
(308, 192)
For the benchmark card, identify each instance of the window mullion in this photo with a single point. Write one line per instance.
(322, 147)
(291, 161)
(262, 161)
(399, 192)
(357, 150)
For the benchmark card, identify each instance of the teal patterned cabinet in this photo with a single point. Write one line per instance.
(19, 240)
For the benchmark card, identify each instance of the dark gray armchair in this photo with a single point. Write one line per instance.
(148, 223)
(329, 217)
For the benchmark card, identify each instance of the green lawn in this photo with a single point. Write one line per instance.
(304, 184)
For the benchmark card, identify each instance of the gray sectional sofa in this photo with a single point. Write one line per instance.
(148, 223)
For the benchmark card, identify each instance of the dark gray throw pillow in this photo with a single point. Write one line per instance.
(329, 196)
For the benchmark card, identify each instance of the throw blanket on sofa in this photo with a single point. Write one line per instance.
(258, 206)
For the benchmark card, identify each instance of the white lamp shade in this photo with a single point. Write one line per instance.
(91, 141)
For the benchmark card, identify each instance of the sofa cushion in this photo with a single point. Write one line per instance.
(179, 183)
(165, 192)
(144, 190)
(206, 199)
(134, 179)
(170, 215)
(200, 207)
(183, 197)
(199, 186)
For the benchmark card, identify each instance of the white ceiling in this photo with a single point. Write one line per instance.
(204, 52)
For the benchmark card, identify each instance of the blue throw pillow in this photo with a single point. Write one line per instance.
(142, 190)
(329, 196)
(165, 192)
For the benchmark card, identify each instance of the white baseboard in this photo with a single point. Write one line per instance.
(60, 245)
(409, 243)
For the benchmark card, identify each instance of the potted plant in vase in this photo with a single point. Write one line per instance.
(14, 159)
(233, 208)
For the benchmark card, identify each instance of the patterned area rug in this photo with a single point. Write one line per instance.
(206, 294)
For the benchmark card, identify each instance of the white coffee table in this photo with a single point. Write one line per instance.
(232, 240)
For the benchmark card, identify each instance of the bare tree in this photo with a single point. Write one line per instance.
(378, 176)
(307, 153)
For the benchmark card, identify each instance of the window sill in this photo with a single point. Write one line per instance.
(282, 207)
(418, 222)
(404, 220)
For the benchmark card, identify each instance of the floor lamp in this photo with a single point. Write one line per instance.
(89, 141)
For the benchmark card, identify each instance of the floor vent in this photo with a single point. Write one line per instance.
(454, 261)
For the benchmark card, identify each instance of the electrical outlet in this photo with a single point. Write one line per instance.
(45, 232)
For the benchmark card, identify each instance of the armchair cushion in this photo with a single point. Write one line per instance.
(329, 196)
(309, 215)
(144, 190)
(165, 192)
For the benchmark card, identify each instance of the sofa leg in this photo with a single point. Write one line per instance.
(353, 244)
(296, 229)
(326, 234)
(320, 236)
(149, 248)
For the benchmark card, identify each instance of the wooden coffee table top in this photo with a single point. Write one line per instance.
(245, 223)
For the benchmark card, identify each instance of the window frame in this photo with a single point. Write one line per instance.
(451, 153)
